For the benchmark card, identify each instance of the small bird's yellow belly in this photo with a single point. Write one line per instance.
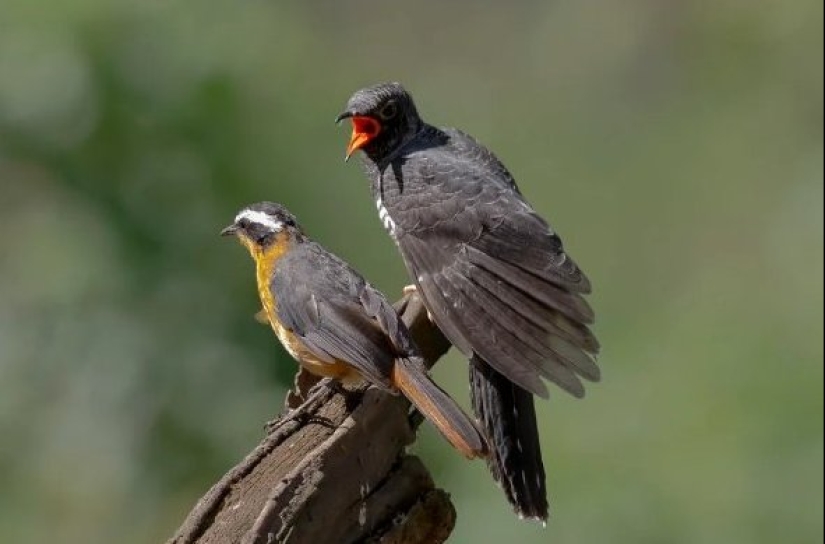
(339, 369)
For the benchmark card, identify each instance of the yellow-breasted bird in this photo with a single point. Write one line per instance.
(335, 324)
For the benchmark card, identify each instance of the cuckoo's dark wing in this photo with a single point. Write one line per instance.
(496, 277)
(467, 148)
(335, 313)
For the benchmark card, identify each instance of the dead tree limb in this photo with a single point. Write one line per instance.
(333, 471)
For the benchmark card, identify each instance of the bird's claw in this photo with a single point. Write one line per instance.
(411, 290)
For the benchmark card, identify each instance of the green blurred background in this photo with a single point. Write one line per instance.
(677, 146)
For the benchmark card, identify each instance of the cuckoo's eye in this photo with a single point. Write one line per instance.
(389, 110)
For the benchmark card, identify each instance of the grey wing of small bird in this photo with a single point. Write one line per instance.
(378, 307)
(319, 301)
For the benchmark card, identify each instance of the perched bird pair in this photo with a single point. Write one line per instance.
(493, 276)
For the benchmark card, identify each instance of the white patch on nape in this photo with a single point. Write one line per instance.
(260, 218)
(384, 215)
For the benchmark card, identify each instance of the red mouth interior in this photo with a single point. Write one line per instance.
(365, 126)
(364, 129)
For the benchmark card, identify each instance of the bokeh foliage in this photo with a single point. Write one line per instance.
(677, 146)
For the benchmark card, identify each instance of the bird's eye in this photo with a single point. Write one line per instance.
(389, 110)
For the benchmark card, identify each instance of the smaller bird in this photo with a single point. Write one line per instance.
(337, 325)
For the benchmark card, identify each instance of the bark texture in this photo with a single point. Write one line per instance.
(332, 470)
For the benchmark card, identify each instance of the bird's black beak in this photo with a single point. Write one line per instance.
(230, 230)
(344, 115)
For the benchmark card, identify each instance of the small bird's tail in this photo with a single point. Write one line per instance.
(507, 413)
(411, 378)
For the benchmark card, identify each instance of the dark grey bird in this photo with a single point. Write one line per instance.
(493, 275)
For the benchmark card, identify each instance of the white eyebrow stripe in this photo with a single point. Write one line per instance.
(254, 216)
